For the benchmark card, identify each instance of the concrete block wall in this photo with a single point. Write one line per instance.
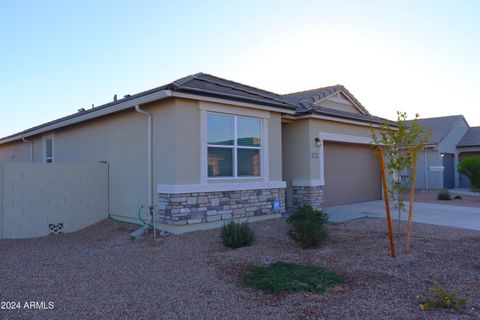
(34, 196)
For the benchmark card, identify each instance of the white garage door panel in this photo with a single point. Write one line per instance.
(351, 174)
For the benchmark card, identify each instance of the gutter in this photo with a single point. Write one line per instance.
(92, 115)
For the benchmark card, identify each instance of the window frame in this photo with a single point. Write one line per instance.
(45, 158)
(235, 147)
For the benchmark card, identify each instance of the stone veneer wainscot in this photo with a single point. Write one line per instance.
(199, 207)
(312, 195)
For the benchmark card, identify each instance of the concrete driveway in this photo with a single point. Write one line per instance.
(444, 215)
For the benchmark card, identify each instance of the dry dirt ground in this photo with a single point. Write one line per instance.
(431, 197)
(99, 273)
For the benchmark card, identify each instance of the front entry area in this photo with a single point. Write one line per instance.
(448, 171)
(352, 174)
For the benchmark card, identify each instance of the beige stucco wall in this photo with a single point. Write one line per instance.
(300, 153)
(36, 195)
(275, 147)
(434, 179)
(342, 106)
(317, 125)
(295, 154)
(188, 141)
(120, 140)
(449, 144)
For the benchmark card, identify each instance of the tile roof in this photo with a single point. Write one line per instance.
(199, 83)
(208, 85)
(345, 115)
(471, 138)
(439, 126)
(306, 99)
(211, 85)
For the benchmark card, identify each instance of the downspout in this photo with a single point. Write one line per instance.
(31, 148)
(426, 171)
(149, 155)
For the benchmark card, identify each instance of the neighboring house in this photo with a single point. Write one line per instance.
(436, 166)
(467, 147)
(204, 149)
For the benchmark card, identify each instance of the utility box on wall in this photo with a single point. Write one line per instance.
(38, 199)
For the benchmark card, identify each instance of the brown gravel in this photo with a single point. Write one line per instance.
(99, 273)
(430, 196)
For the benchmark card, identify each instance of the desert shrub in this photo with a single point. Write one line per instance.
(470, 167)
(444, 195)
(289, 277)
(441, 298)
(308, 226)
(237, 234)
(457, 197)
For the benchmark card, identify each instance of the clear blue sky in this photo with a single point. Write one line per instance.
(416, 56)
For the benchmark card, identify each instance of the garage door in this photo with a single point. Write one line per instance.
(351, 174)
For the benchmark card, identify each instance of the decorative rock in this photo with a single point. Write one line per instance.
(193, 221)
(214, 206)
(214, 218)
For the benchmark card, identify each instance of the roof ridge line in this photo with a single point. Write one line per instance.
(245, 85)
(314, 89)
(279, 99)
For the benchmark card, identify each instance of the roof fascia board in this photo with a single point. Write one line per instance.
(316, 116)
(230, 102)
(348, 98)
(96, 114)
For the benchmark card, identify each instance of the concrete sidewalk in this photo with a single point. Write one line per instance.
(444, 215)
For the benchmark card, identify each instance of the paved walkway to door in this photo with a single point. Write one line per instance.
(444, 215)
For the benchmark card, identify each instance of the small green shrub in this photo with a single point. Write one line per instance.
(308, 226)
(441, 298)
(289, 277)
(235, 235)
(457, 197)
(444, 195)
(470, 167)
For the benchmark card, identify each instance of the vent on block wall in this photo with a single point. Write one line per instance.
(56, 228)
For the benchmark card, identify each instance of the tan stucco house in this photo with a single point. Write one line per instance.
(452, 139)
(204, 149)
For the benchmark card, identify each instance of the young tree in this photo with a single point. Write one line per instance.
(401, 143)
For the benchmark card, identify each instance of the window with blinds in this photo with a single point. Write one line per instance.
(234, 145)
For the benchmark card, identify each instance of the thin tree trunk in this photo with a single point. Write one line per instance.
(387, 204)
(410, 205)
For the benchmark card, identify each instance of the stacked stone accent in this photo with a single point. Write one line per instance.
(199, 207)
(308, 195)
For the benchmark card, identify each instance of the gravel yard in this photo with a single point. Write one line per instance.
(99, 273)
(430, 196)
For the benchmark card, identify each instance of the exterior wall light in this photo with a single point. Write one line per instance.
(318, 142)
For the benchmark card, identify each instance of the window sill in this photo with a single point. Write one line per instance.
(219, 186)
